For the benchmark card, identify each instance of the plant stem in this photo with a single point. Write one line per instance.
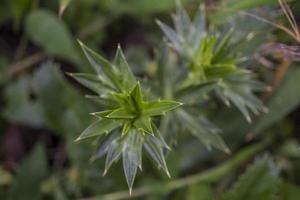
(209, 176)
(278, 76)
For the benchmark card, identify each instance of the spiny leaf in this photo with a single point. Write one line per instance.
(126, 127)
(121, 63)
(92, 82)
(102, 114)
(182, 21)
(155, 149)
(132, 157)
(208, 137)
(171, 34)
(156, 108)
(144, 124)
(98, 128)
(104, 147)
(114, 151)
(102, 66)
(103, 100)
(222, 46)
(120, 113)
(220, 71)
(136, 96)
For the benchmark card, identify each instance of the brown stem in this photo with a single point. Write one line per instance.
(278, 76)
(26, 63)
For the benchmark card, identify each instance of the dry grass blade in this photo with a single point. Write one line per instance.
(294, 33)
(290, 16)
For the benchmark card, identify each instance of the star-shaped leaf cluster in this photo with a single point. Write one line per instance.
(210, 61)
(126, 120)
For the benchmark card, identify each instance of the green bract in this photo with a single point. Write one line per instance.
(127, 117)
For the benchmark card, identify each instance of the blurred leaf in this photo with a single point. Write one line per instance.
(208, 138)
(20, 8)
(132, 156)
(289, 191)
(290, 148)
(200, 192)
(285, 99)
(64, 109)
(155, 149)
(4, 64)
(258, 182)
(6, 177)
(160, 107)
(49, 32)
(230, 8)
(4, 10)
(20, 105)
(98, 128)
(246, 4)
(30, 175)
(146, 7)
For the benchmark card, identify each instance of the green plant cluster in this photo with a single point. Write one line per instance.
(200, 105)
(125, 106)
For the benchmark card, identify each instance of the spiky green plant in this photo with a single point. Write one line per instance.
(209, 61)
(126, 120)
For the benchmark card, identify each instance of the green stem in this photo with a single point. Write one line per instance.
(209, 176)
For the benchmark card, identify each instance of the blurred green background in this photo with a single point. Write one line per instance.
(43, 110)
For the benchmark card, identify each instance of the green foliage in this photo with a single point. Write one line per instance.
(260, 181)
(209, 60)
(20, 8)
(206, 63)
(283, 102)
(19, 106)
(115, 83)
(29, 176)
(43, 27)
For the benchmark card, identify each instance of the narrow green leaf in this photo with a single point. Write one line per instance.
(160, 107)
(126, 127)
(128, 79)
(260, 182)
(285, 99)
(137, 97)
(121, 113)
(158, 135)
(208, 137)
(171, 34)
(102, 114)
(220, 71)
(144, 124)
(114, 151)
(46, 30)
(155, 149)
(289, 191)
(132, 156)
(103, 100)
(182, 21)
(104, 146)
(102, 66)
(92, 82)
(222, 46)
(29, 176)
(98, 128)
